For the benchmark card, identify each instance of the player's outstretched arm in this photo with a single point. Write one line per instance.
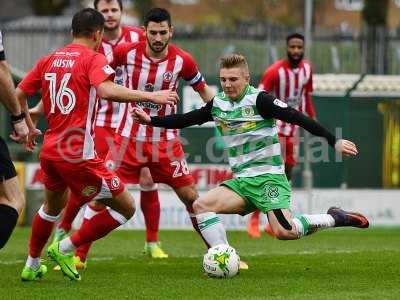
(178, 121)
(109, 90)
(270, 107)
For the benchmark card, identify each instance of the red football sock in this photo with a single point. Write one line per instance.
(192, 216)
(255, 217)
(150, 205)
(72, 208)
(82, 251)
(41, 231)
(96, 228)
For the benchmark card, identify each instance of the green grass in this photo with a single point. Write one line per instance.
(336, 264)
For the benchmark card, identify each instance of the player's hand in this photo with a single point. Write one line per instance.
(164, 97)
(31, 143)
(139, 115)
(346, 147)
(20, 132)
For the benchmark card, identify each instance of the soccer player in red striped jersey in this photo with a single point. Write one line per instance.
(291, 81)
(153, 65)
(70, 79)
(106, 123)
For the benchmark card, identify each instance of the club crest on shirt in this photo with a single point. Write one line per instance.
(167, 76)
(247, 111)
(89, 191)
(115, 182)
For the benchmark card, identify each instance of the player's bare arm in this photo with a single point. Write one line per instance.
(118, 93)
(8, 98)
(207, 94)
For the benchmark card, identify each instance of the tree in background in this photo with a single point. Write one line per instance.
(49, 7)
(142, 7)
(374, 39)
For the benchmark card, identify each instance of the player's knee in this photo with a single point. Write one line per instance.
(147, 183)
(199, 207)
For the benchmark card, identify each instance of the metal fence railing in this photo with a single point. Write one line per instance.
(26, 41)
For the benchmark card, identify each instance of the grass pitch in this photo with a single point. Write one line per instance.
(336, 264)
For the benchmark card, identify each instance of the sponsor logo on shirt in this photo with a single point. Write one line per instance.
(280, 103)
(108, 70)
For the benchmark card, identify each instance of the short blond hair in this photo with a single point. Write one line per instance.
(233, 61)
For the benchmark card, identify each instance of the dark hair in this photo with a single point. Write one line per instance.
(295, 35)
(157, 15)
(96, 3)
(86, 21)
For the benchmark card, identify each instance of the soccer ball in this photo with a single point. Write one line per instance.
(221, 261)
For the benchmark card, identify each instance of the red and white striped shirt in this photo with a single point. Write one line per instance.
(293, 86)
(108, 110)
(143, 73)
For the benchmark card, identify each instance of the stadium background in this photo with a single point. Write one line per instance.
(357, 89)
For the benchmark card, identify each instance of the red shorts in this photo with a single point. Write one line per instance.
(88, 178)
(289, 147)
(103, 140)
(166, 161)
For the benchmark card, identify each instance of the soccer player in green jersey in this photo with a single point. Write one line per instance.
(245, 117)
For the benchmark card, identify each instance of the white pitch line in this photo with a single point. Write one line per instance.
(265, 253)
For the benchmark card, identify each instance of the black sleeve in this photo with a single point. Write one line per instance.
(179, 121)
(270, 107)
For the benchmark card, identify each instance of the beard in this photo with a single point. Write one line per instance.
(295, 61)
(159, 50)
(107, 28)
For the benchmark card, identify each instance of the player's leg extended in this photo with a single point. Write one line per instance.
(42, 226)
(150, 205)
(287, 227)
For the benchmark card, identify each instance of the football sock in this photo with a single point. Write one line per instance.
(8, 217)
(96, 228)
(150, 205)
(42, 226)
(83, 250)
(193, 219)
(33, 263)
(302, 225)
(320, 221)
(211, 228)
(72, 208)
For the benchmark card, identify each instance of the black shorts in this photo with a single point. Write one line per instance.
(7, 169)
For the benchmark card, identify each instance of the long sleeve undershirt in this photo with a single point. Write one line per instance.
(268, 107)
